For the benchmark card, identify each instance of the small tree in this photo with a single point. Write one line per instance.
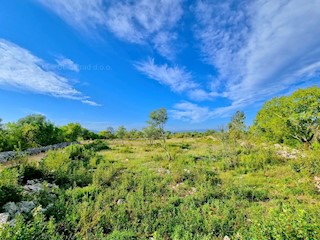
(151, 133)
(109, 133)
(158, 119)
(121, 133)
(237, 127)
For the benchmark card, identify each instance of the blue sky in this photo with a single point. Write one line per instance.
(108, 63)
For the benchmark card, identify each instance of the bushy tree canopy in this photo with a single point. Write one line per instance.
(293, 118)
(32, 131)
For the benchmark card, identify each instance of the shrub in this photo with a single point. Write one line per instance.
(103, 175)
(9, 193)
(122, 235)
(285, 222)
(97, 145)
(9, 176)
(37, 228)
(29, 172)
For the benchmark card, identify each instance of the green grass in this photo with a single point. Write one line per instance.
(209, 190)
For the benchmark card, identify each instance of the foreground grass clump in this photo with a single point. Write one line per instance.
(208, 190)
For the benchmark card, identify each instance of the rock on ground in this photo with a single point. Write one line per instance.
(3, 218)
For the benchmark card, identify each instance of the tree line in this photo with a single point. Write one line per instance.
(35, 130)
(293, 120)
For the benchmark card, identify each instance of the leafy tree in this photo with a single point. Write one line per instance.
(109, 133)
(72, 132)
(237, 127)
(291, 118)
(157, 120)
(151, 133)
(134, 134)
(121, 133)
(32, 131)
(89, 135)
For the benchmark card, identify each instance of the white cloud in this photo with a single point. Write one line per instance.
(20, 69)
(188, 111)
(178, 79)
(67, 64)
(82, 14)
(164, 43)
(91, 103)
(259, 48)
(195, 113)
(139, 22)
(198, 94)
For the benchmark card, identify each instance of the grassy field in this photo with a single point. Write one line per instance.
(209, 190)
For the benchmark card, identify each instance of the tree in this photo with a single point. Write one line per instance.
(72, 132)
(237, 127)
(109, 133)
(89, 135)
(121, 133)
(151, 133)
(134, 134)
(291, 118)
(158, 119)
(32, 131)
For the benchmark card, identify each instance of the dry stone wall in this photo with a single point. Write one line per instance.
(6, 156)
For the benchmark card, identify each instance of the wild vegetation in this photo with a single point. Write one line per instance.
(152, 184)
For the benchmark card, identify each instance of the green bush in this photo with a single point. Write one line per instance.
(103, 176)
(97, 145)
(69, 166)
(37, 228)
(285, 222)
(9, 193)
(122, 235)
(29, 172)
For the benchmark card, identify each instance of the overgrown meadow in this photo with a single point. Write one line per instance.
(235, 183)
(212, 188)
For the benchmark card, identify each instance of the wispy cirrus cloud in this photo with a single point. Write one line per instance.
(188, 111)
(67, 64)
(195, 113)
(20, 69)
(91, 103)
(257, 49)
(81, 14)
(260, 48)
(137, 22)
(178, 79)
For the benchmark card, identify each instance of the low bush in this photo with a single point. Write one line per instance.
(97, 145)
(9, 193)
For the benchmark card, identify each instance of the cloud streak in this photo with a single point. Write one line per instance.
(260, 48)
(139, 22)
(178, 79)
(256, 49)
(187, 111)
(20, 69)
(67, 64)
